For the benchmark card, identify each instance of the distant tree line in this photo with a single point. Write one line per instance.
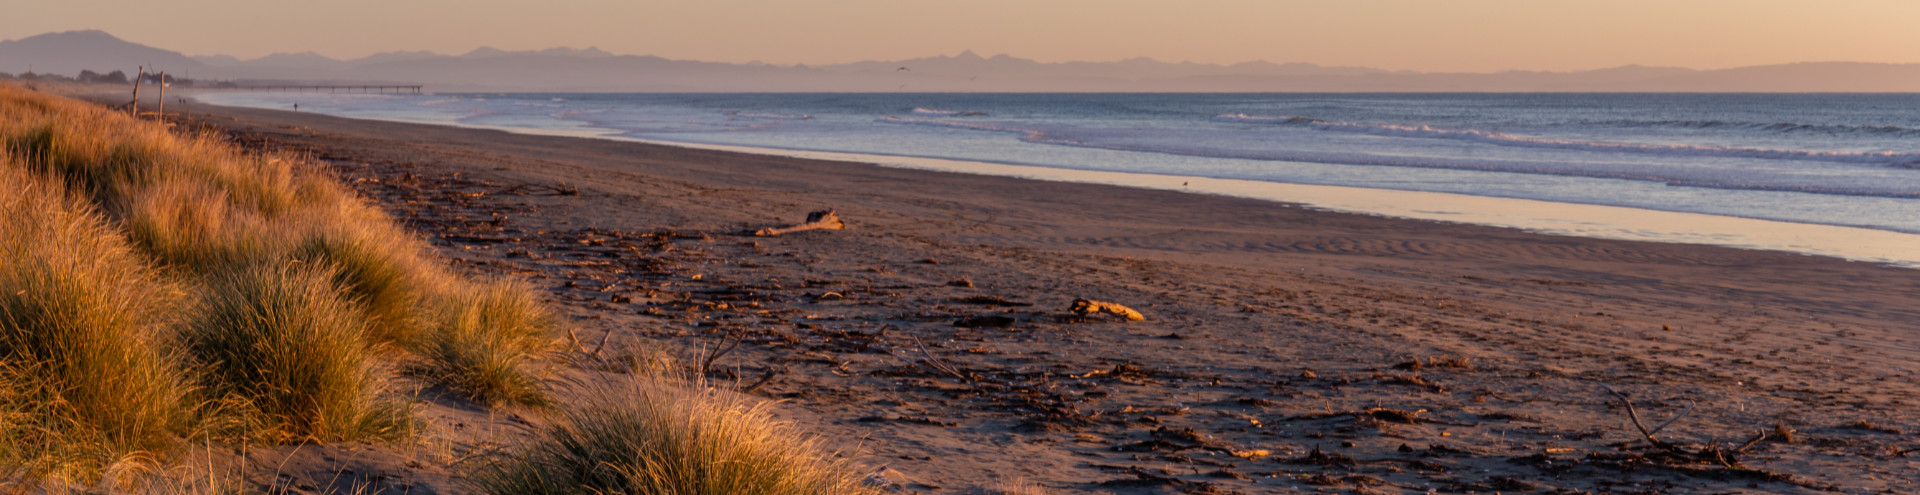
(115, 77)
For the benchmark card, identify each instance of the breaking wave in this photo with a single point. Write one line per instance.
(767, 116)
(1891, 158)
(946, 113)
(1069, 137)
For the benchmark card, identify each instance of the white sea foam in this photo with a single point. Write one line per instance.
(1903, 160)
(1137, 142)
(946, 113)
(767, 116)
(1741, 156)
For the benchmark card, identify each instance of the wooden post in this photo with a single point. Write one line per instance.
(162, 112)
(134, 109)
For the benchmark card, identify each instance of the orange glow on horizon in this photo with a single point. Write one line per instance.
(1424, 35)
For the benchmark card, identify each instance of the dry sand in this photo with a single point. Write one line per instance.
(1284, 349)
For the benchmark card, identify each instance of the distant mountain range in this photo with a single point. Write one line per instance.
(567, 69)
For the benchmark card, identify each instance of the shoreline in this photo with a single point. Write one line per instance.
(1891, 248)
(1431, 355)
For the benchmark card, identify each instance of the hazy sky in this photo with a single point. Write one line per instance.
(1428, 35)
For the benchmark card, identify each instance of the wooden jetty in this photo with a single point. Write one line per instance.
(414, 89)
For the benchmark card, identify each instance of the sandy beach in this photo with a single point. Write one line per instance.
(1285, 349)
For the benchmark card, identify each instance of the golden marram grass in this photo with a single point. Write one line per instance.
(160, 291)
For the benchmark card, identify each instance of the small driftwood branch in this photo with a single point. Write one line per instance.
(563, 189)
(1087, 307)
(1635, 416)
(931, 362)
(728, 342)
(771, 372)
(602, 345)
(937, 363)
(1759, 435)
(819, 220)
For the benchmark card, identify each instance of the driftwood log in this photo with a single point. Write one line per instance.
(819, 220)
(1087, 307)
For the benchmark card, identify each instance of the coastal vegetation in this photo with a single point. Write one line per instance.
(162, 291)
(655, 434)
(159, 287)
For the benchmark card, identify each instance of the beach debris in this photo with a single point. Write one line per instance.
(728, 342)
(1145, 479)
(1087, 307)
(764, 378)
(882, 479)
(991, 301)
(1782, 433)
(1318, 458)
(1635, 416)
(561, 189)
(989, 321)
(820, 220)
(937, 363)
(1378, 413)
(919, 420)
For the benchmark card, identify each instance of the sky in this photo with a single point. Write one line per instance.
(1423, 35)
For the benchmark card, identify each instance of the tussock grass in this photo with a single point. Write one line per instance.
(154, 285)
(193, 226)
(294, 353)
(661, 435)
(87, 379)
(387, 271)
(490, 344)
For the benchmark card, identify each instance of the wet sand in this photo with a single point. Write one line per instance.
(1284, 348)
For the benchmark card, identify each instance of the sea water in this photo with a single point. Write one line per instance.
(1840, 160)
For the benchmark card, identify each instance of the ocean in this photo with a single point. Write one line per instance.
(1842, 160)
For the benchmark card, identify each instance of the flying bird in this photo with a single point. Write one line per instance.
(901, 69)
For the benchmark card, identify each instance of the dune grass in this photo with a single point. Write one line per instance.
(284, 344)
(85, 351)
(157, 285)
(386, 271)
(656, 435)
(489, 337)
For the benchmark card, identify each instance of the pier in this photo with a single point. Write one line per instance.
(414, 89)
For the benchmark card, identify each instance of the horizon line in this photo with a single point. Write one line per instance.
(595, 48)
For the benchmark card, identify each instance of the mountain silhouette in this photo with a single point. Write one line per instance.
(592, 69)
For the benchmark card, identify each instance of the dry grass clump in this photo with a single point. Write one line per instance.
(86, 379)
(1019, 487)
(283, 343)
(387, 272)
(110, 158)
(658, 435)
(196, 205)
(193, 226)
(156, 285)
(490, 342)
